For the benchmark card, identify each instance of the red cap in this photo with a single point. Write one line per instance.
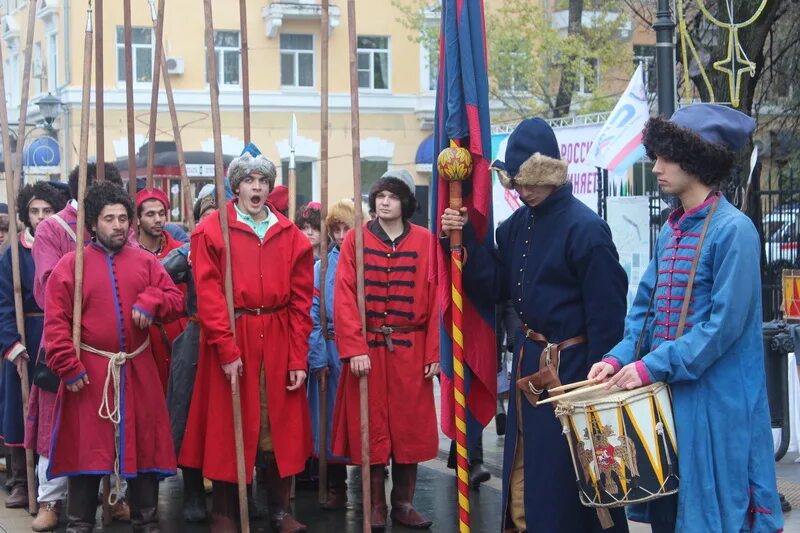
(279, 197)
(152, 194)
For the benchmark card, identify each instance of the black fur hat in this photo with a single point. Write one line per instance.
(395, 186)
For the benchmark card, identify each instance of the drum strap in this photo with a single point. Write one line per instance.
(687, 296)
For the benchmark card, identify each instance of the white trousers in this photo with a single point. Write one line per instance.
(50, 490)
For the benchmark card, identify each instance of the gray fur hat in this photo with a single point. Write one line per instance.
(246, 164)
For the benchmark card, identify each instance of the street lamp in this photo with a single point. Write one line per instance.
(49, 107)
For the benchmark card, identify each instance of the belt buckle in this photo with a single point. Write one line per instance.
(259, 311)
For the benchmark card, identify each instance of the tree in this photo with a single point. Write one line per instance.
(542, 60)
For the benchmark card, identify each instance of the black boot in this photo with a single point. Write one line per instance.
(337, 488)
(143, 501)
(82, 503)
(477, 473)
(194, 496)
(224, 507)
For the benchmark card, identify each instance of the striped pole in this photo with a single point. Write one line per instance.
(455, 165)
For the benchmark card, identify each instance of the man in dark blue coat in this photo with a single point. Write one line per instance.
(557, 263)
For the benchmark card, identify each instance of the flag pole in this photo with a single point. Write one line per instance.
(131, 117)
(13, 235)
(98, 92)
(158, 17)
(455, 165)
(219, 179)
(363, 387)
(323, 253)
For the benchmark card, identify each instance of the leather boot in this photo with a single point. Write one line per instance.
(337, 488)
(82, 503)
(194, 496)
(18, 499)
(477, 473)
(143, 501)
(377, 483)
(224, 507)
(279, 493)
(404, 482)
(47, 517)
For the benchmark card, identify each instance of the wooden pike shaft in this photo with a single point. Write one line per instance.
(323, 249)
(13, 235)
(187, 196)
(223, 216)
(159, 49)
(245, 70)
(359, 237)
(131, 117)
(99, 112)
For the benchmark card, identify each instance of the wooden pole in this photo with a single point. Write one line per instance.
(323, 252)
(187, 196)
(98, 91)
(19, 311)
(245, 70)
(223, 216)
(159, 49)
(359, 235)
(292, 185)
(131, 117)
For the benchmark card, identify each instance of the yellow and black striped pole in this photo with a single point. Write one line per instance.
(455, 165)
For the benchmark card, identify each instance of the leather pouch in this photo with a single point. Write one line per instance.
(534, 385)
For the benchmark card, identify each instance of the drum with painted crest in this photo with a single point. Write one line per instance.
(623, 444)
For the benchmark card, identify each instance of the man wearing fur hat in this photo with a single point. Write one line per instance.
(272, 286)
(152, 208)
(400, 353)
(707, 347)
(323, 358)
(556, 262)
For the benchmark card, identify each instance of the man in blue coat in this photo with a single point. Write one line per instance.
(556, 262)
(716, 368)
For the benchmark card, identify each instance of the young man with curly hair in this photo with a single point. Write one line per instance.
(35, 203)
(707, 347)
(110, 415)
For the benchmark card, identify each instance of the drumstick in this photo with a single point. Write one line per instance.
(569, 386)
(566, 395)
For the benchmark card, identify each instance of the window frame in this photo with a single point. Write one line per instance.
(120, 46)
(52, 61)
(220, 52)
(295, 53)
(372, 52)
(582, 86)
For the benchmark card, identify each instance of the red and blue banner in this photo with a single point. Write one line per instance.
(462, 116)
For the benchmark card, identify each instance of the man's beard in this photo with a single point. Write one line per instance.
(110, 244)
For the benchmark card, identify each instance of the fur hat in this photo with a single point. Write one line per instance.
(342, 212)
(532, 157)
(702, 138)
(203, 204)
(405, 176)
(247, 164)
(396, 186)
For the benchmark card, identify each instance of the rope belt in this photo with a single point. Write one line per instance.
(113, 376)
(387, 330)
(34, 315)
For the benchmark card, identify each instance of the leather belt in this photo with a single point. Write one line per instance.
(239, 311)
(538, 337)
(34, 315)
(534, 385)
(387, 330)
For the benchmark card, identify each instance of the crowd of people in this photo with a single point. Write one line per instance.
(148, 387)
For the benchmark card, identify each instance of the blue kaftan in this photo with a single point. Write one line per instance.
(715, 371)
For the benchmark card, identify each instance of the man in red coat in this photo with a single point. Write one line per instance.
(272, 288)
(109, 416)
(152, 206)
(400, 353)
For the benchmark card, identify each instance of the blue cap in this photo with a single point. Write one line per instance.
(3, 208)
(251, 149)
(532, 135)
(716, 124)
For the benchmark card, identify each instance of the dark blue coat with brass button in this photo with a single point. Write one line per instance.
(558, 265)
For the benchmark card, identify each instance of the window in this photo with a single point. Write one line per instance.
(371, 171)
(515, 79)
(305, 180)
(297, 60)
(52, 62)
(37, 65)
(142, 48)
(12, 75)
(646, 55)
(373, 62)
(429, 56)
(228, 49)
(589, 81)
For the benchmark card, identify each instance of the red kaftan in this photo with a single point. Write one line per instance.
(402, 415)
(275, 275)
(163, 335)
(113, 286)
